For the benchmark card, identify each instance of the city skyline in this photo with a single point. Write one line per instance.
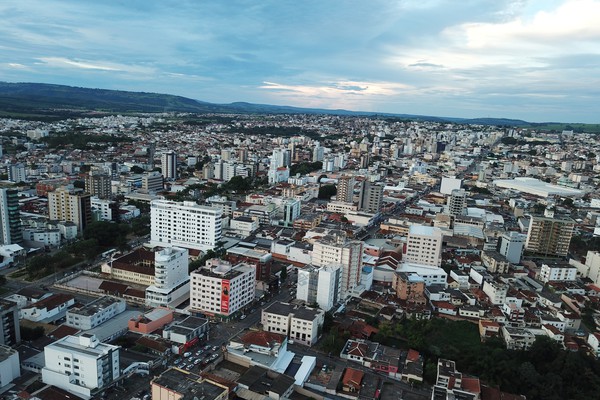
(531, 60)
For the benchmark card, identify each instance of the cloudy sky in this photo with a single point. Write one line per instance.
(537, 60)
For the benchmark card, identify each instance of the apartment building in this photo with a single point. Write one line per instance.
(301, 324)
(549, 236)
(81, 365)
(345, 189)
(424, 245)
(10, 218)
(95, 313)
(98, 184)
(171, 279)
(66, 205)
(186, 225)
(10, 331)
(552, 272)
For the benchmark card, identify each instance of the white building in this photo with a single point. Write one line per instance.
(102, 207)
(457, 202)
(186, 225)
(449, 184)
(496, 291)
(557, 272)
(169, 165)
(424, 245)
(431, 275)
(336, 249)
(81, 365)
(95, 313)
(320, 285)
(300, 324)
(171, 279)
(511, 246)
(220, 288)
(9, 365)
(45, 237)
(243, 226)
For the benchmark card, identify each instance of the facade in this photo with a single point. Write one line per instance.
(43, 237)
(221, 289)
(10, 331)
(64, 205)
(48, 309)
(431, 275)
(494, 262)
(320, 285)
(98, 184)
(457, 202)
(549, 236)
(152, 182)
(336, 249)
(95, 313)
(553, 272)
(17, 173)
(177, 384)
(424, 245)
(10, 230)
(171, 279)
(511, 246)
(168, 162)
(135, 267)
(496, 291)
(10, 368)
(186, 225)
(81, 365)
(301, 324)
(187, 331)
(410, 287)
(345, 189)
(371, 196)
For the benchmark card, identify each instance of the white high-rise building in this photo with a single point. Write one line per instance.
(186, 225)
(336, 249)
(511, 246)
(280, 160)
(320, 285)
(424, 245)
(169, 165)
(345, 188)
(81, 365)
(171, 279)
(457, 202)
(220, 288)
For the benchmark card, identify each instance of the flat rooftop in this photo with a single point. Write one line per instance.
(190, 385)
(95, 306)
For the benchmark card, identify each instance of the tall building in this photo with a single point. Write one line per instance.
(278, 167)
(511, 246)
(10, 331)
(549, 236)
(17, 173)
(345, 188)
(65, 205)
(320, 285)
(10, 217)
(371, 196)
(186, 225)
(336, 249)
(171, 278)
(424, 245)
(220, 288)
(81, 365)
(152, 182)
(169, 165)
(98, 184)
(457, 202)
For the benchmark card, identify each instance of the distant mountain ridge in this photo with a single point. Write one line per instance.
(46, 99)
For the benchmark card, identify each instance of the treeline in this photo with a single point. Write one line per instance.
(283, 131)
(81, 141)
(305, 168)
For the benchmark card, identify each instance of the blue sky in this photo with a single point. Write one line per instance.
(537, 60)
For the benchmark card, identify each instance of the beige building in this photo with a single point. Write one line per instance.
(494, 262)
(66, 205)
(301, 324)
(549, 236)
(177, 384)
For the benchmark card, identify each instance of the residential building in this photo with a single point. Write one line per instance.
(262, 348)
(17, 173)
(152, 182)
(496, 291)
(336, 249)
(95, 313)
(186, 225)
(258, 382)
(171, 279)
(557, 271)
(345, 189)
(431, 275)
(10, 331)
(221, 289)
(457, 202)
(81, 365)
(301, 324)
(424, 245)
(494, 262)
(517, 338)
(549, 236)
(410, 287)
(98, 184)
(10, 218)
(243, 226)
(10, 368)
(452, 384)
(371, 196)
(320, 285)
(168, 162)
(66, 205)
(511, 246)
(177, 384)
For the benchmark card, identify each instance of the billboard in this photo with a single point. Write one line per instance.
(224, 297)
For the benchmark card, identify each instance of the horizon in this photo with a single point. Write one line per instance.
(514, 59)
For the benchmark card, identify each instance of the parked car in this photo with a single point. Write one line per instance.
(187, 354)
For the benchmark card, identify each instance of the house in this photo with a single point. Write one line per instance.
(48, 309)
(413, 366)
(352, 379)
(262, 348)
(488, 329)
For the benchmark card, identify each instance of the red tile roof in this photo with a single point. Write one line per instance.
(353, 377)
(262, 338)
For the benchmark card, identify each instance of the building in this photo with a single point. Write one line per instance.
(511, 246)
(300, 324)
(496, 291)
(98, 184)
(371, 196)
(49, 309)
(220, 289)
(186, 332)
(168, 162)
(10, 368)
(261, 383)
(345, 189)
(171, 280)
(152, 182)
(177, 384)
(449, 184)
(10, 331)
(65, 205)
(517, 338)
(262, 348)
(410, 287)
(151, 321)
(452, 384)
(549, 236)
(320, 285)
(336, 249)
(17, 173)
(81, 365)
(424, 245)
(135, 267)
(95, 313)
(551, 272)
(494, 262)
(186, 225)
(10, 218)
(457, 202)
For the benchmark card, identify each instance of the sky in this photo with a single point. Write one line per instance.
(537, 60)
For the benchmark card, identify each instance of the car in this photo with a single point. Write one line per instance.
(206, 347)
(197, 361)
(187, 354)
(243, 316)
(177, 361)
(215, 348)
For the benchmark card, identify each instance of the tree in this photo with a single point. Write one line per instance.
(326, 191)
(136, 170)
(106, 233)
(283, 274)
